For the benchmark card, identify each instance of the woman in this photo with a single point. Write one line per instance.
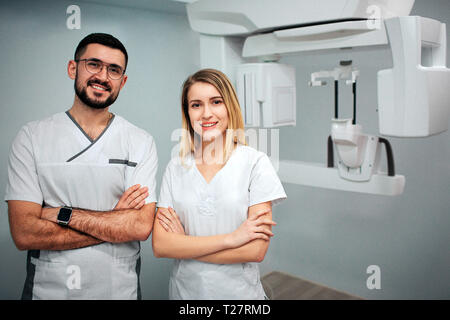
(214, 211)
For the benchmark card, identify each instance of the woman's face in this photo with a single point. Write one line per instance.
(207, 111)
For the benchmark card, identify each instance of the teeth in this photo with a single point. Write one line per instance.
(209, 125)
(97, 87)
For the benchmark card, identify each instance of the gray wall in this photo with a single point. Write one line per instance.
(329, 237)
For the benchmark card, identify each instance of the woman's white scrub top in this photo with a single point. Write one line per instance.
(218, 207)
(53, 162)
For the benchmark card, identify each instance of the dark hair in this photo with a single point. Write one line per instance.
(103, 39)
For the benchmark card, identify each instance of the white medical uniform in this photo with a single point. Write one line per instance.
(53, 162)
(218, 207)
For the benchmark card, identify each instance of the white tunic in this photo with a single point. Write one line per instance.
(53, 162)
(218, 207)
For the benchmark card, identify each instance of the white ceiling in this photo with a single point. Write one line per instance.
(167, 6)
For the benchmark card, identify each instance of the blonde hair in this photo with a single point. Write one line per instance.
(235, 132)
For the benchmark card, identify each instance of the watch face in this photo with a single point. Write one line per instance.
(64, 214)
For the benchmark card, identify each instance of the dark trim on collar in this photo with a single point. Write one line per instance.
(92, 141)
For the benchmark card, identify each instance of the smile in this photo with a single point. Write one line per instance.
(206, 125)
(98, 87)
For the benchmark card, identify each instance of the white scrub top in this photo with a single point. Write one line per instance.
(218, 207)
(53, 162)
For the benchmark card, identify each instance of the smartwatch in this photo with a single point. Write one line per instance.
(64, 215)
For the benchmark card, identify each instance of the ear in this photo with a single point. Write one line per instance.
(124, 79)
(72, 69)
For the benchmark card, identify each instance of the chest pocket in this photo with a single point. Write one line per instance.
(82, 185)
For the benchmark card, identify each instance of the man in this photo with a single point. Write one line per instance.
(66, 180)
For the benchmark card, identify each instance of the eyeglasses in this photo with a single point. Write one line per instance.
(94, 66)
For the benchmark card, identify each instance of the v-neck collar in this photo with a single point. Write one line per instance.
(217, 173)
(84, 132)
(92, 142)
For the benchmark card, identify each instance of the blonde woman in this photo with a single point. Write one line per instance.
(215, 207)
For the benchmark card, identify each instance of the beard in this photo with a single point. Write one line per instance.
(94, 103)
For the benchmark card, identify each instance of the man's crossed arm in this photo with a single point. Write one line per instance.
(34, 227)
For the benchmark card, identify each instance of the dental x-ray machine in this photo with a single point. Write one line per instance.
(245, 39)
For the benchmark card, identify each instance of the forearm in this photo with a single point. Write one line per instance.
(112, 226)
(31, 232)
(178, 246)
(45, 235)
(253, 251)
(108, 226)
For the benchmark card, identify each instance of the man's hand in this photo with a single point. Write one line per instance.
(132, 198)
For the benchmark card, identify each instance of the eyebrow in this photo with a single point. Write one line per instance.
(197, 100)
(110, 64)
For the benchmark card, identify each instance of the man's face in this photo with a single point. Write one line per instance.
(98, 90)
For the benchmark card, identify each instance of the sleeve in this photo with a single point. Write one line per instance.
(264, 183)
(145, 171)
(165, 195)
(23, 181)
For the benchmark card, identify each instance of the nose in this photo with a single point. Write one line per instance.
(103, 73)
(207, 112)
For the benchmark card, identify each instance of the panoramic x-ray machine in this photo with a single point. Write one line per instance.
(246, 38)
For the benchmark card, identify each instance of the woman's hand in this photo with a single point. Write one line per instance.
(252, 228)
(132, 198)
(169, 220)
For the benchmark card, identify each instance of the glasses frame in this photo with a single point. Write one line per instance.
(101, 69)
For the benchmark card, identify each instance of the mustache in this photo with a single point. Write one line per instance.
(104, 84)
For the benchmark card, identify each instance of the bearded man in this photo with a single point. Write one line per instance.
(81, 187)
